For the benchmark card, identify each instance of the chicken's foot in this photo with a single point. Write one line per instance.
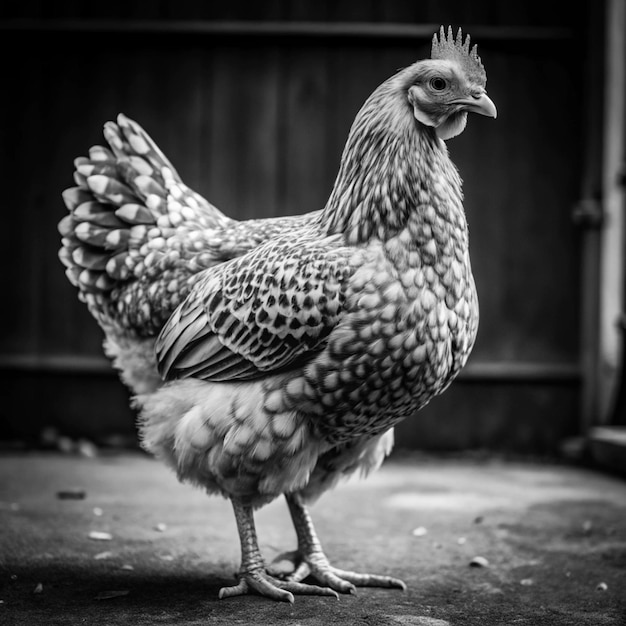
(310, 559)
(252, 574)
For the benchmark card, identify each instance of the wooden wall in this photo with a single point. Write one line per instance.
(252, 102)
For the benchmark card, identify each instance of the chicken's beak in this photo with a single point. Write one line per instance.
(480, 103)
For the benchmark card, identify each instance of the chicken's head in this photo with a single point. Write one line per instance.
(443, 89)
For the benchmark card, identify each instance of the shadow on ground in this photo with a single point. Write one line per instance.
(554, 540)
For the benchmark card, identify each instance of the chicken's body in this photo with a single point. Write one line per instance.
(291, 345)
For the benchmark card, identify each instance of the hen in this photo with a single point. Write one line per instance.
(289, 346)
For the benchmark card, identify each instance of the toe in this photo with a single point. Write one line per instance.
(284, 564)
(268, 587)
(258, 581)
(300, 573)
(306, 590)
(369, 580)
(240, 589)
(336, 582)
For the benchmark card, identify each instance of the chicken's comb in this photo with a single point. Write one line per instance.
(447, 47)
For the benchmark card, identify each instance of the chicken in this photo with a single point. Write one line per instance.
(274, 356)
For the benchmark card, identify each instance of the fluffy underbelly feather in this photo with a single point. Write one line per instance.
(221, 436)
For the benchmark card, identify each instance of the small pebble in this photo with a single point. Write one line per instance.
(65, 444)
(526, 582)
(479, 561)
(587, 527)
(9, 506)
(161, 527)
(49, 436)
(128, 567)
(420, 531)
(13, 577)
(602, 587)
(86, 448)
(103, 555)
(38, 588)
(437, 545)
(461, 541)
(72, 494)
(478, 519)
(167, 557)
(97, 511)
(100, 536)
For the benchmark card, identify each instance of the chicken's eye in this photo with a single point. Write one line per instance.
(438, 83)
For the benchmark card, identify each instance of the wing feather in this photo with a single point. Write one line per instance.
(258, 313)
(180, 332)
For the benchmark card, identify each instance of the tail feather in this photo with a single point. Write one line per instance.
(100, 153)
(135, 214)
(127, 138)
(98, 214)
(127, 194)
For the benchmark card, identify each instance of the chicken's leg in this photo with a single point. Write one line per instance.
(312, 559)
(252, 575)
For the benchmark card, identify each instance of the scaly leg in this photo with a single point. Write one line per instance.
(252, 575)
(312, 559)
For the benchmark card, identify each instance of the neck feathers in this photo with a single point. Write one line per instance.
(392, 167)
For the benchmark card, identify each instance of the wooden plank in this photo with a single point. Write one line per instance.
(78, 100)
(244, 122)
(57, 364)
(480, 417)
(214, 103)
(317, 30)
(305, 185)
(233, 10)
(78, 405)
(21, 277)
(475, 372)
(354, 12)
(527, 418)
(457, 12)
(612, 252)
(518, 200)
(587, 214)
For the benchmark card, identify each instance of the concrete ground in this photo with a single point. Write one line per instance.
(553, 536)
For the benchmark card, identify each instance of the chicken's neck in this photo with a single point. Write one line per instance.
(395, 180)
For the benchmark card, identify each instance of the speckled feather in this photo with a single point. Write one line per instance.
(136, 236)
(290, 346)
(260, 312)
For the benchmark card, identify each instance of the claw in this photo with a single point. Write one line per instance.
(252, 575)
(317, 566)
(342, 580)
(310, 560)
(240, 589)
(266, 585)
(369, 580)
